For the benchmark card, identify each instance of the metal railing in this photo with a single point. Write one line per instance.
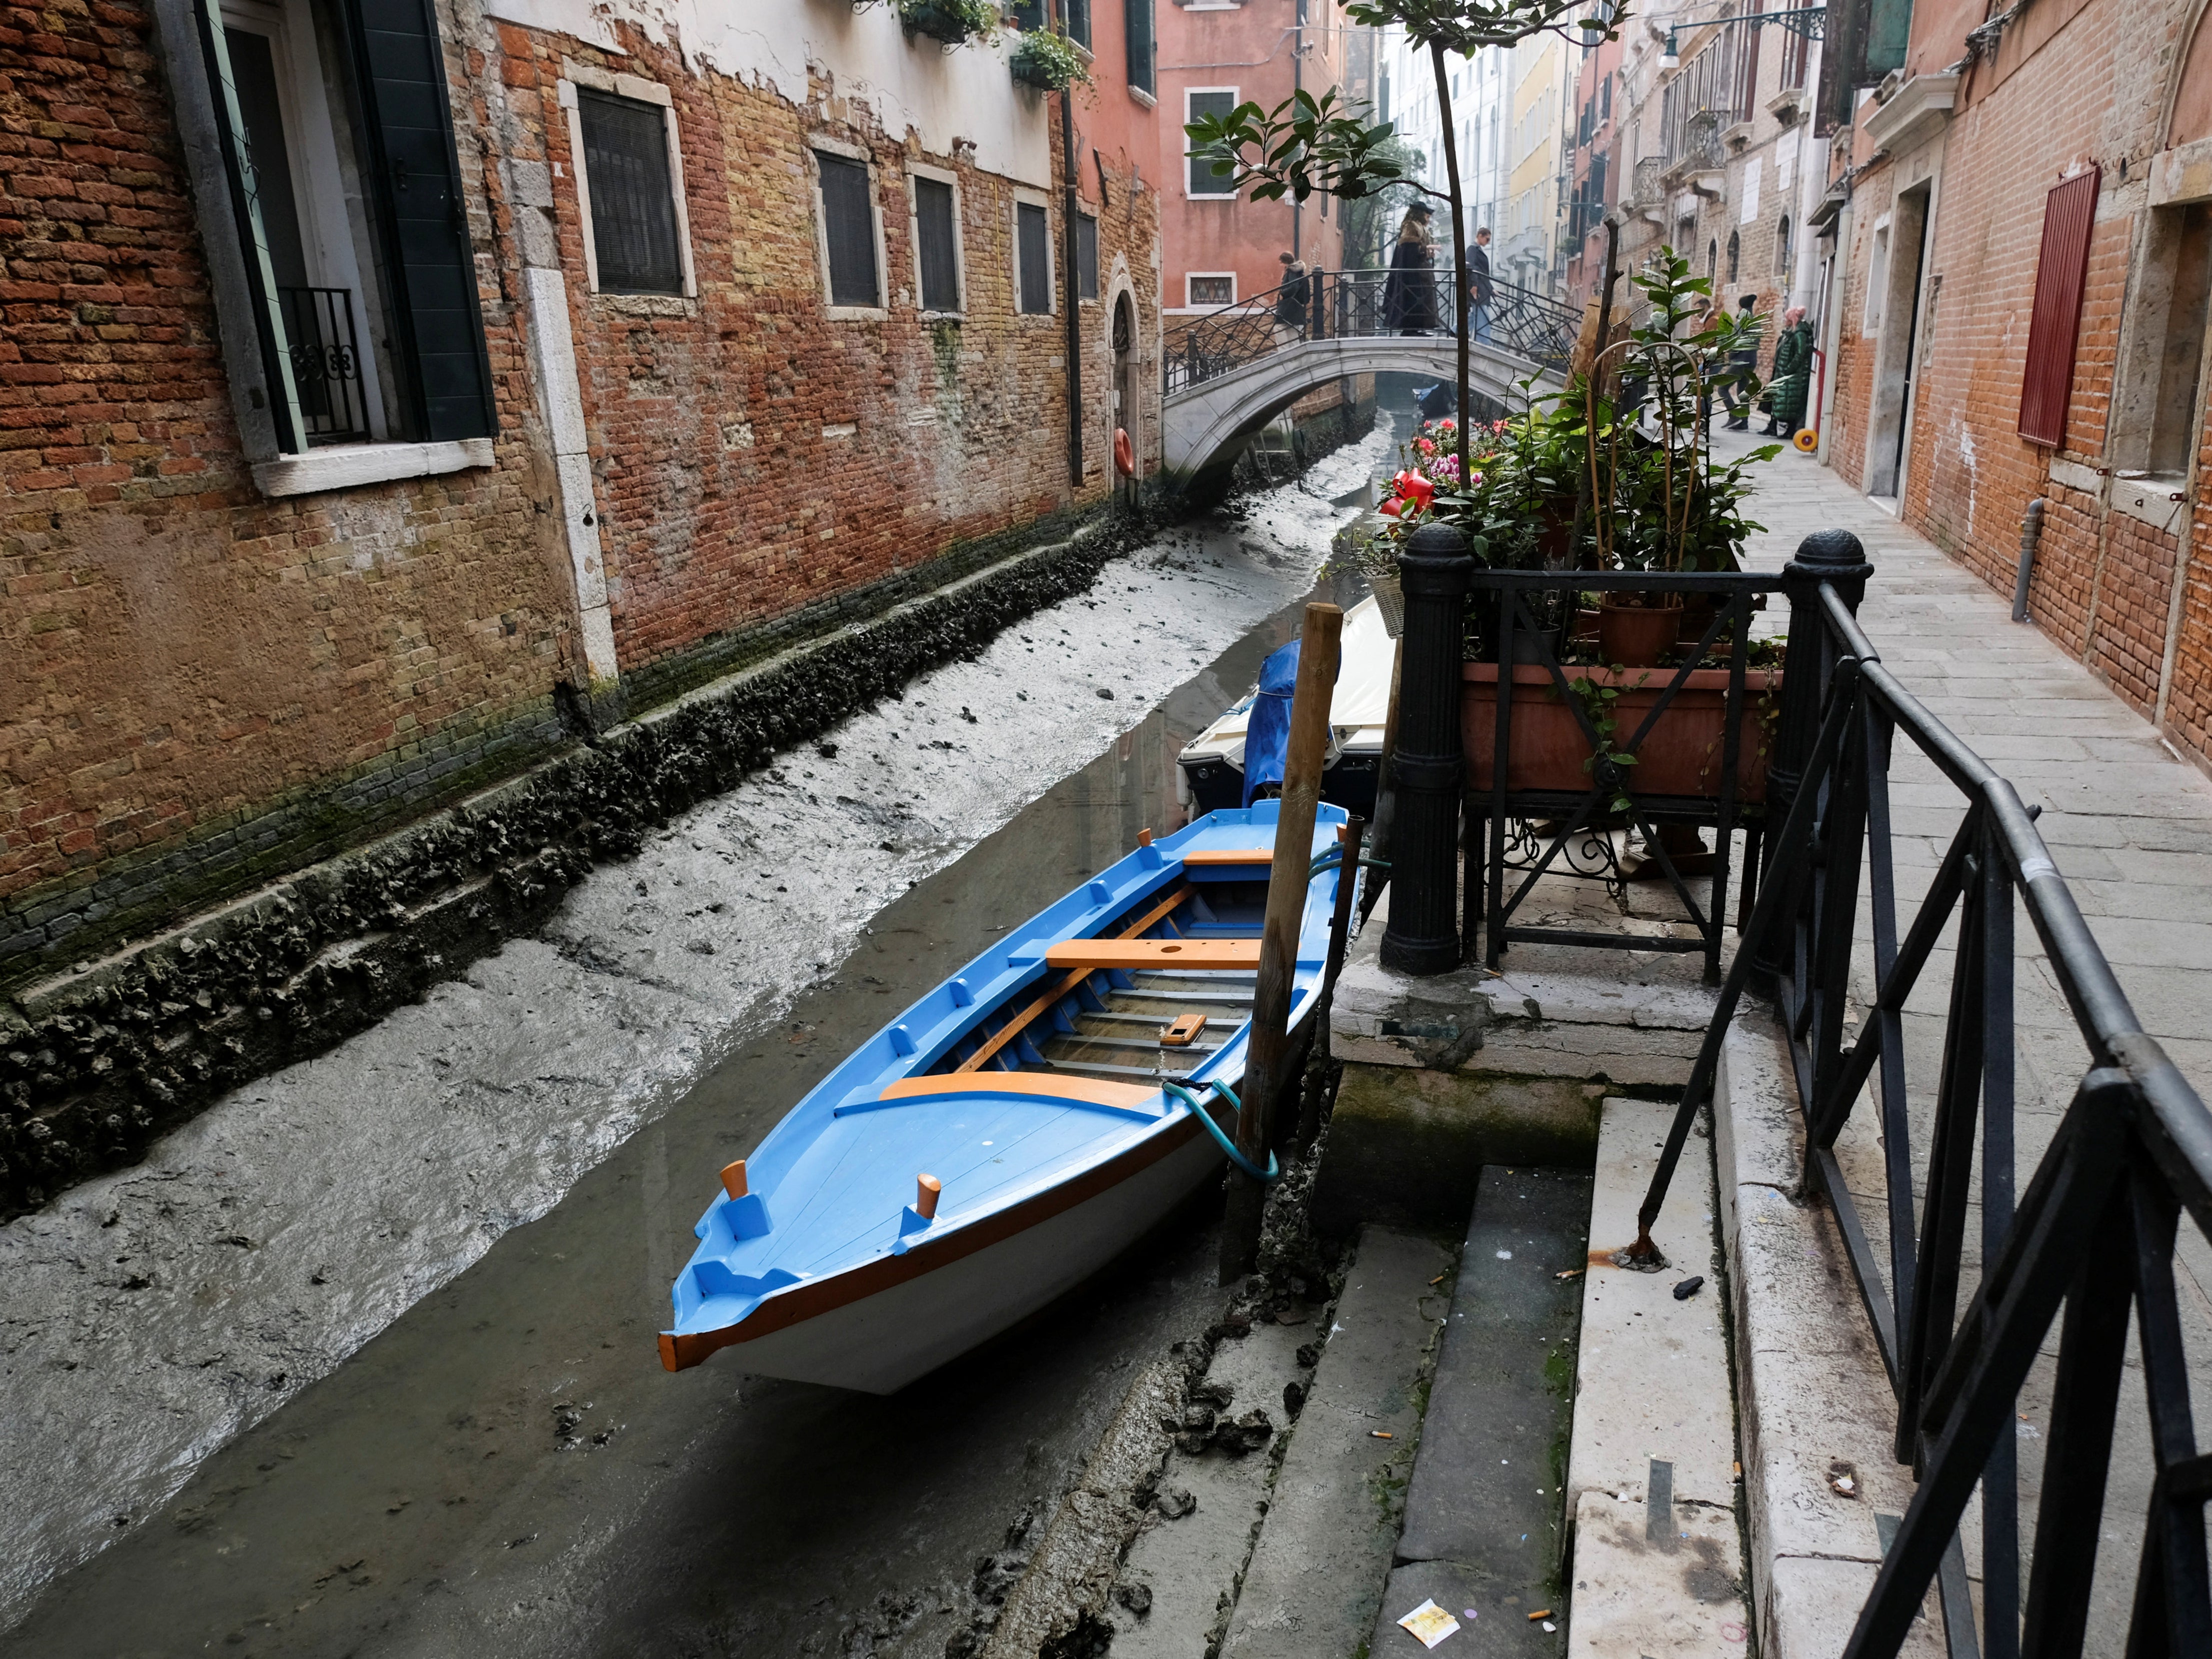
(2095, 1233)
(326, 367)
(1337, 305)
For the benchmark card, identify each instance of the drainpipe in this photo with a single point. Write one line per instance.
(2031, 532)
(1071, 212)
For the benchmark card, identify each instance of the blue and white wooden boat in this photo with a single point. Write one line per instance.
(1010, 1134)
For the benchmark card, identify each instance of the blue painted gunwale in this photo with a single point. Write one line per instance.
(757, 1252)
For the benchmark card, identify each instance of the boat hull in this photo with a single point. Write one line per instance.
(877, 1341)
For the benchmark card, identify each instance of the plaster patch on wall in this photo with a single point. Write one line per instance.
(966, 96)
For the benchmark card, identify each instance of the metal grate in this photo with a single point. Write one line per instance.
(937, 248)
(633, 199)
(325, 358)
(849, 222)
(1033, 246)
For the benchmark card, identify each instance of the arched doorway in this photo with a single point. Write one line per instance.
(1125, 401)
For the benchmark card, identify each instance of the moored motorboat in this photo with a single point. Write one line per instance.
(1213, 770)
(1012, 1131)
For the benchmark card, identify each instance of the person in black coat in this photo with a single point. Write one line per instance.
(1409, 293)
(1479, 284)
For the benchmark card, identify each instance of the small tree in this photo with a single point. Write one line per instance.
(1307, 143)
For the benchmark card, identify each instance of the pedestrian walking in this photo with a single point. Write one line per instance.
(1409, 293)
(1293, 300)
(1743, 371)
(1479, 286)
(1793, 367)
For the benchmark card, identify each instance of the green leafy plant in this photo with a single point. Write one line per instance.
(1049, 60)
(1599, 704)
(950, 21)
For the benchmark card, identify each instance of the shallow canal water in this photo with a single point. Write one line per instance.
(504, 1468)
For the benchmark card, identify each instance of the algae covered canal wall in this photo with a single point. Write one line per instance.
(692, 878)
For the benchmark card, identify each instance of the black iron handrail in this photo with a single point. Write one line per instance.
(1342, 305)
(326, 363)
(2095, 1230)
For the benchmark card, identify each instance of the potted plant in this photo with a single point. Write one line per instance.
(1049, 61)
(951, 21)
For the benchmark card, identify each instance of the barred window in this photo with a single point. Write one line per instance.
(1087, 257)
(1212, 290)
(1033, 253)
(937, 246)
(849, 228)
(633, 198)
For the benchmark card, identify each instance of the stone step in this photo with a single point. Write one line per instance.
(1486, 1517)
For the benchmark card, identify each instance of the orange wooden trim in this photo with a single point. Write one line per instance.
(1092, 954)
(1144, 838)
(1218, 855)
(733, 1178)
(1012, 1028)
(1095, 1090)
(926, 1190)
(810, 1298)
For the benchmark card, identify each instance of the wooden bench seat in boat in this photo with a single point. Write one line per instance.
(1138, 953)
(1206, 857)
(1089, 1092)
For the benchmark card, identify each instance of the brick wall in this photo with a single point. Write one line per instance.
(210, 687)
(2084, 84)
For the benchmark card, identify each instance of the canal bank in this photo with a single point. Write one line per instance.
(159, 1312)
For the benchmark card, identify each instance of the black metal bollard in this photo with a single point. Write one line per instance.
(1423, 937)
(1838, 558)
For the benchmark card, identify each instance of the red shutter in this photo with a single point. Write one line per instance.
(2068, 217)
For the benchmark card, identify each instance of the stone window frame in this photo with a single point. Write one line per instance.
(1190, 277)
(1236, 98)
(943, 176)
(1024, 196)
(642, 91)
(2179, 180)
(277, 473)
(881, 312)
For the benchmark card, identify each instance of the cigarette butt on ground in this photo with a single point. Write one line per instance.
(1541, 1613)
(1382, 1434)
(1438, 1279)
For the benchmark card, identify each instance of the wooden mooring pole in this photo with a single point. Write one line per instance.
(1270, 1064)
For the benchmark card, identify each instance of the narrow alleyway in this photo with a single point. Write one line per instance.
(503, 1467)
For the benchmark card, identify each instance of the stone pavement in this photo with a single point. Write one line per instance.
(2128, 823)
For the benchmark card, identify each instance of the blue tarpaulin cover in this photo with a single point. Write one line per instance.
(1267, 729)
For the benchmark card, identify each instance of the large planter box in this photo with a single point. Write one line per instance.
(1681, 756)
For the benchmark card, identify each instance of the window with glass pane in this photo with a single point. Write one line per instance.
(1027, 14)
(1033, 247)
(1212, 290)
(1077, 15)
(936, 247)
(1204, 181)
(849, 224)
(1138, 26)
(1087, 257)
(632, 196)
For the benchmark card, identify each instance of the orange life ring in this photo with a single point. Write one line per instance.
(1124, 459)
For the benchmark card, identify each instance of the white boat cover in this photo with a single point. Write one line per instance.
(1358, 713)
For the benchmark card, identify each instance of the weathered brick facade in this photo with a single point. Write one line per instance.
(2064, 89)
(209, 686)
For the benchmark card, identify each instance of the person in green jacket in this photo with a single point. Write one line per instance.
(1793, 367)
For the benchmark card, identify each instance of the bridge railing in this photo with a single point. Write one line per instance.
(1343, 304)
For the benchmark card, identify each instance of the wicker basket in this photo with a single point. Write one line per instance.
(1390, 600)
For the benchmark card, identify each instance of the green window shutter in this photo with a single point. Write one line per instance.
(254, 231)
(428, 264)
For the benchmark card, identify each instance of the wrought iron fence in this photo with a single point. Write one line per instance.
(1335, 305)
(326, 366)
(2095, 1231)
(1541, 801)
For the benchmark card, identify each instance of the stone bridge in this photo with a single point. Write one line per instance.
(1205, 426)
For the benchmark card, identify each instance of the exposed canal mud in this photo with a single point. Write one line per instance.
(505, 1469)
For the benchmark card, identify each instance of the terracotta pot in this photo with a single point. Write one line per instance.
(1637, 636)
(1681, 756)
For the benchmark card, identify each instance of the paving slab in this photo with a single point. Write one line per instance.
(1652, 1377)
(1647, 1591)
(1318, 1575)
(1493, 1614)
